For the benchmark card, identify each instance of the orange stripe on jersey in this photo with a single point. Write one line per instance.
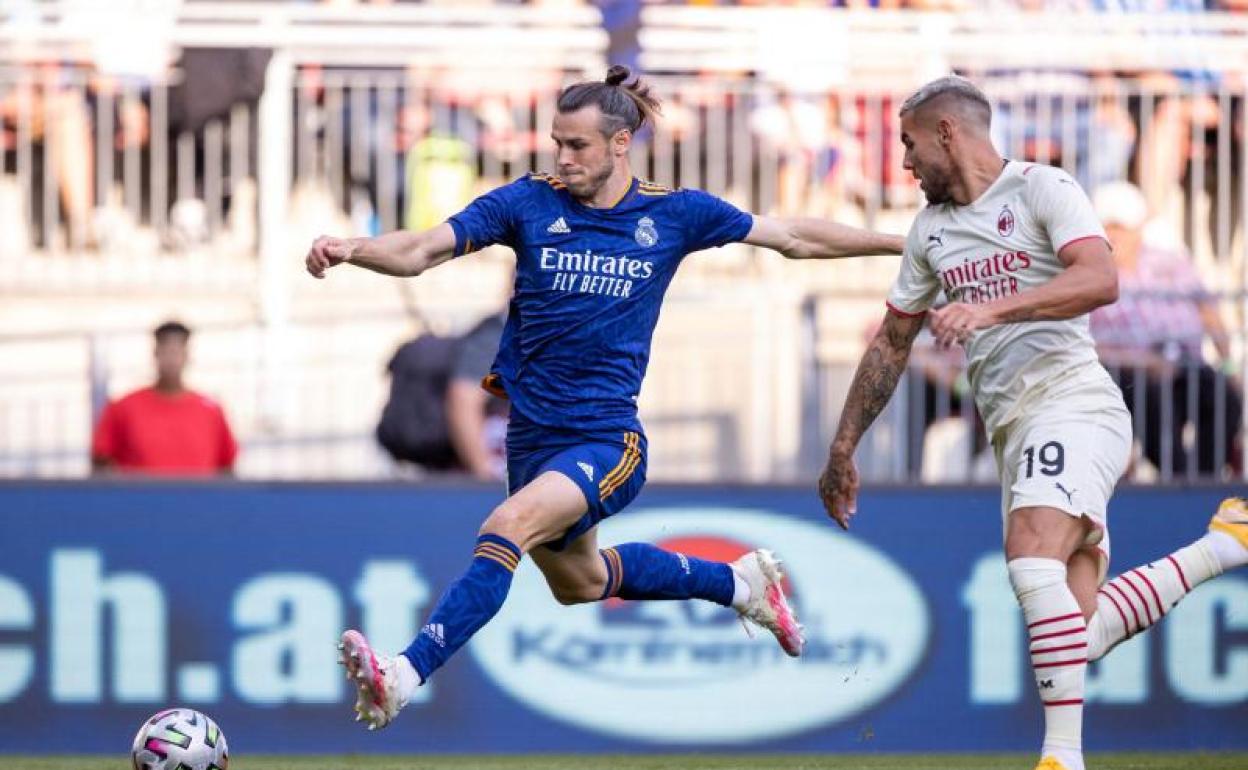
(623, 195)
(630, 442)
(628, 473)
(493, 384)
(553, 181)
(629, 463)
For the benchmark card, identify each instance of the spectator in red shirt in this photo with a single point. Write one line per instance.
(165, 429)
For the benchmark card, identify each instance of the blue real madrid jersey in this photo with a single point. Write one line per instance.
(589, 283)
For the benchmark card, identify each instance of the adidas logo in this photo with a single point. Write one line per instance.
(559, 226)
(589, 469)
(434, 632)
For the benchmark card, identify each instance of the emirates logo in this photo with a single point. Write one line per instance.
(1005, 222)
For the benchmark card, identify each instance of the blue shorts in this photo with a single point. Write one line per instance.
(610, 468)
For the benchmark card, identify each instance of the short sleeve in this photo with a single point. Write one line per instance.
(105, 442)
(712, 221)
(917, 284)
(1062, 207)
(477, 349)
(492, 218)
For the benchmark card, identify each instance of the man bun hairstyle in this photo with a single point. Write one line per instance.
(623, 105)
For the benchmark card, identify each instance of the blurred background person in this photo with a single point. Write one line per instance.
(51, 110)
(167, 428)
(476, 418)
(438, 416)
(1152, 341)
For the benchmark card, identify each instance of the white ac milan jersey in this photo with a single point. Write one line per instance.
(1004, 243)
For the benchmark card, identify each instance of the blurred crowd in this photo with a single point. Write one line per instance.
(110, 152)
(1095, 6)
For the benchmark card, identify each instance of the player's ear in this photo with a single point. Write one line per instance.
(944, 131)
(621, 141)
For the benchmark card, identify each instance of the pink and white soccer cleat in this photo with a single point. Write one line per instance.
(377, 699)
(768, 606)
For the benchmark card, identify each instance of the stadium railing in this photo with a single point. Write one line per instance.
(374, 118)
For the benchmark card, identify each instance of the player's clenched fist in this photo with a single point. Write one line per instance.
(838, 487)
(328, 251)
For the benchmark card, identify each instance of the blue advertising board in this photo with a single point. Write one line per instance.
(119, 599)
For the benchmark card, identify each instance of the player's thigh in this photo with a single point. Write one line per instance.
(540, 511)
(576, 573)
(1059, 463)
(609, 470)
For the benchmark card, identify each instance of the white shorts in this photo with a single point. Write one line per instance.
(1067, 454)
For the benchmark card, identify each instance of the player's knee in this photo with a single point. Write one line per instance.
(512, 520)
(1043, 533)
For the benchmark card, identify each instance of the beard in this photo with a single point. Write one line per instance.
(936, 191)
(596, 178)
(935, 186)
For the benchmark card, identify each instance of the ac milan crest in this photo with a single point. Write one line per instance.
(1005, 221)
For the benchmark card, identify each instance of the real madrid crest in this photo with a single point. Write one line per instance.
(1005, 221)
(645, 234)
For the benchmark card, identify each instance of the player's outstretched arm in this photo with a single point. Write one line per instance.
(401, 253)
(808, 238)
(878, 373)
(1089, 281)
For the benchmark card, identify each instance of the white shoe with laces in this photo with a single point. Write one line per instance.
(378, 700)
(767, 606)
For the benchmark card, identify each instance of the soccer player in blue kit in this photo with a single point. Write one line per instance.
(595, 251)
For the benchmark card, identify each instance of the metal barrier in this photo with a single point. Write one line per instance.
(304, 404)
(373, 118)
(1187, 412)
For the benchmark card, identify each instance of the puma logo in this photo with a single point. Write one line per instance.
(1070, 494)
(937, 237)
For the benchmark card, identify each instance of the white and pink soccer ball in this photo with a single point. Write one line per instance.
(180, 739)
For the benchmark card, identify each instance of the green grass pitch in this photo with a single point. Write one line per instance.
(669, 762)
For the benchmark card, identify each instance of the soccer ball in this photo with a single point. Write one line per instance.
(180, 739)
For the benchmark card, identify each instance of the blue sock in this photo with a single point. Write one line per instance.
(644, 571)
(467, 605)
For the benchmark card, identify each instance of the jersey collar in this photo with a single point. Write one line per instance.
(628, 193)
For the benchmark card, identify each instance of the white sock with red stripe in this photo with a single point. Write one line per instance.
(1059, 658)
(1137, 599)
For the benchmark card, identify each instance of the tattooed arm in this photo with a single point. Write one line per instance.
(874, 382)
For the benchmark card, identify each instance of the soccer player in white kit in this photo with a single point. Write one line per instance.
(1022, 259)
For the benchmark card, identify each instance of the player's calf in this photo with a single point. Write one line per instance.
(583, 592)
(751, 585)
(1059, 658)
